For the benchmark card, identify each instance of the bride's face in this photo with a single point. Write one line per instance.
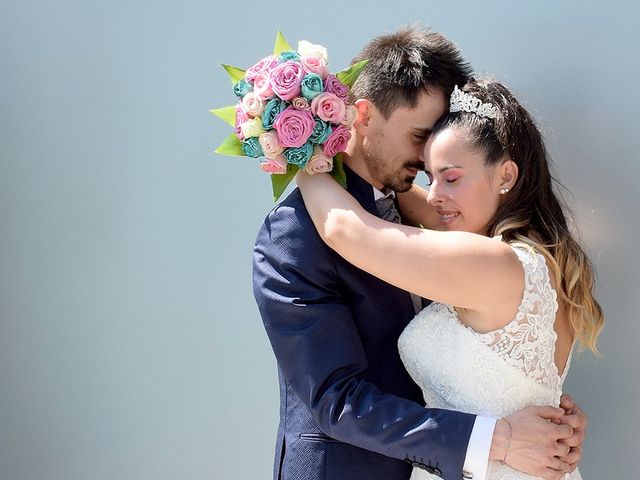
(464, 191)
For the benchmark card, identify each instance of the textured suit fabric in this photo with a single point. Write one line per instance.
(348, 409)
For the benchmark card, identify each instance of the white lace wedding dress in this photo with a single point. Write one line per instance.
(491, 374)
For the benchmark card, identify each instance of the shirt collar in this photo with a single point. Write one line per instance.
(378, 194)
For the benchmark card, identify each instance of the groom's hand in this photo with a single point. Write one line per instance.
(531, 441)
(577, 419)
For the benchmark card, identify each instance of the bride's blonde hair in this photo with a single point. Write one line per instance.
(531, 212)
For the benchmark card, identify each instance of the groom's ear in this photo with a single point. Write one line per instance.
(364, 108)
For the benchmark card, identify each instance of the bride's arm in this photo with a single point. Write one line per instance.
(459, 268)
(415, 210)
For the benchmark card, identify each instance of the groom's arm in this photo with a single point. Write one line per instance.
(319, 351)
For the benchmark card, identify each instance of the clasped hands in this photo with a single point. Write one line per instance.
(542, 441)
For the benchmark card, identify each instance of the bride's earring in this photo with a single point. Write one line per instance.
(503, 191)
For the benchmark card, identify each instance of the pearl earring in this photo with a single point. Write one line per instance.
(503, 191)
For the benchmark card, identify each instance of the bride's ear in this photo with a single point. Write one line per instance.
(364, 108)
(508, 174)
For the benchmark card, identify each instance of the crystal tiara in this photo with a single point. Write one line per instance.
(462, 101)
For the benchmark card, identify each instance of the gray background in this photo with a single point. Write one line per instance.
(130, 344)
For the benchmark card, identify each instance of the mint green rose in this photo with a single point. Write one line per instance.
(311, 86)
(299, 156)
(289, 55)
(271, 111)
(321, 132)
(242, 88)
(251, 147)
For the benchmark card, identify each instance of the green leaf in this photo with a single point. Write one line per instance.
(235, 74)
(349, 75)
(280, 182)
(338, 171)
(228, 114)
(231, 146)
(281, 44)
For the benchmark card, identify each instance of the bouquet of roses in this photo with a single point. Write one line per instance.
(292, 112)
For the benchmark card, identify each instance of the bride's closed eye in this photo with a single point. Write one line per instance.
(451, 179)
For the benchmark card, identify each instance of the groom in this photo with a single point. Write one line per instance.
(348, 408)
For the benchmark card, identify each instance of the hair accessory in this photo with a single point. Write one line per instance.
(503, 191)
(462, 101)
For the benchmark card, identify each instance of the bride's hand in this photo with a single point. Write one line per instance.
(577, 419)
(529, 440)
(415, 209)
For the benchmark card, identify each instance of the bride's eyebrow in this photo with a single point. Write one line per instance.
(448, 167)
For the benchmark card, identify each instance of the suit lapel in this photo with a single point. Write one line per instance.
(361, 191)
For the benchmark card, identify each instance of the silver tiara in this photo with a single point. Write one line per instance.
(462, 101)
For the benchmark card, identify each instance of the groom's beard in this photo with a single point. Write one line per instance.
(398, 178)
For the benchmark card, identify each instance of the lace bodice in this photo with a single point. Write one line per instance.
(494, 373)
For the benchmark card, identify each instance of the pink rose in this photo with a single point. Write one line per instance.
(294, 127)
(301, 103)
(337, 141)
(328, 107)
(315, 65)
(270, 145)
(274, 166)
(286, 79)
(241, 117)
(335, 86)
(319, 162)
(262, 85)
(263, 65)
(253, 104)
(350, 116)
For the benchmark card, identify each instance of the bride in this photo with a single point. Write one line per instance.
(512, 289)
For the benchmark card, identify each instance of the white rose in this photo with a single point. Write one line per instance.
(350, 116)
(270, 146)
(319, 162)
(253, 104)
(252, 128)
(308, 49)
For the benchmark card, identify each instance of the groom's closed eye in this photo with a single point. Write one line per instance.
(422, 135)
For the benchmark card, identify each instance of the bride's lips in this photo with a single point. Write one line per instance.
(448, 217)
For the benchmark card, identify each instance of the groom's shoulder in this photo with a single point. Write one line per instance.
(289, 219)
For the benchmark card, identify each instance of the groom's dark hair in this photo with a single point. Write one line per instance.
(403, 63)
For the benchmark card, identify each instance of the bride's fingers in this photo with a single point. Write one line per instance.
(574, 420)
(562, 450)
(573, 457)
(551, 474)
(564, 432)
(575, 440)
(567, 402)
(556, 469)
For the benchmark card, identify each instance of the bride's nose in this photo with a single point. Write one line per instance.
(434, 197)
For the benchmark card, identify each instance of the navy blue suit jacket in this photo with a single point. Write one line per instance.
(348, 408)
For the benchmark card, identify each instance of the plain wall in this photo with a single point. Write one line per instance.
(130, 343)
